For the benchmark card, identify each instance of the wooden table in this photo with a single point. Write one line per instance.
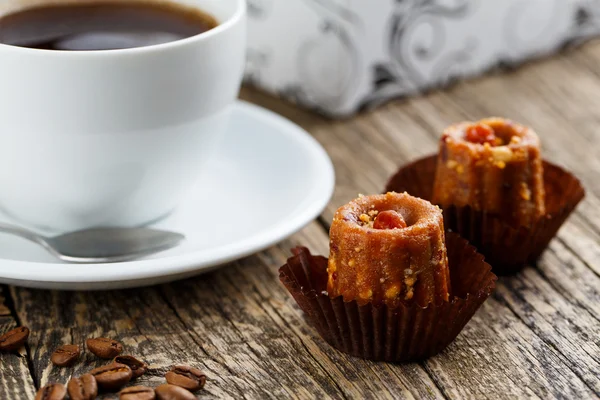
(537, 336)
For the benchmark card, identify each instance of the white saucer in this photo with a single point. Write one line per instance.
(269, 179)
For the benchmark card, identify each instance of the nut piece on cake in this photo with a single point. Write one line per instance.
(388, 249)
(493, 165)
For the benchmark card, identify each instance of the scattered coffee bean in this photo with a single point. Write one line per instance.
(52, 391)
(187, 377)
(173, 392)
(65, 355)
(137, 393)
(138, 368)
(83, 388)
(104, 347)
(14, 339)
(112, 377)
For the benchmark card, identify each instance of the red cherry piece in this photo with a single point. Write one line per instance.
(480, 134)
(389, 220)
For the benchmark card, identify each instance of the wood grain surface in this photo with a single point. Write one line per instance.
(536, 337)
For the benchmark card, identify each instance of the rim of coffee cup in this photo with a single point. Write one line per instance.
(239, 13)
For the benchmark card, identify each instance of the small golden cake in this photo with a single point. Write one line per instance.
(493, 165)
(388, 249)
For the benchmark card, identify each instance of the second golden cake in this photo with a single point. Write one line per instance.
(494, 166)
(388, 249)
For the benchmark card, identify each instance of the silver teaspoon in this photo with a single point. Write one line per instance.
(101, 245)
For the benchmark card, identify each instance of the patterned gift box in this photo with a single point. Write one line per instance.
(341, 56)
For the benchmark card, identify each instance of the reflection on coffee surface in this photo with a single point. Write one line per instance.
(102, 26)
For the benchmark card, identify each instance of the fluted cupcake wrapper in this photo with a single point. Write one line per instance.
(506, 248)
(403, 333)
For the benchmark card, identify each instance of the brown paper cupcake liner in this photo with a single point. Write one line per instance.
(403, 333)
(506, 248)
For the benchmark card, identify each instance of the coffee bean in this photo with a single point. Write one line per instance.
(52, 391)
(138, 368)
(83, 388)
(112, 377)
(104, 347)
(137, 393)
(14, 339)
(187, 377)
(172, 392)
(65, 355)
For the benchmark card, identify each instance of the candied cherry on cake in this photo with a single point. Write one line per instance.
(389, 219)
(480, 133)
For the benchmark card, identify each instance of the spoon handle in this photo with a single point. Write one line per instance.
(23, 233)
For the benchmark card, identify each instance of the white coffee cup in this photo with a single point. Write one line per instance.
(117, 137)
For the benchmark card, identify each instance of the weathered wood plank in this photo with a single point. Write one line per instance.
(582, 243)
(560, 322)
(497, 356)
(15, 378)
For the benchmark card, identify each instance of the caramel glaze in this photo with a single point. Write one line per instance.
(406, 264)
(500, 173)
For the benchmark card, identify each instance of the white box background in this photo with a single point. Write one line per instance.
(338, 56)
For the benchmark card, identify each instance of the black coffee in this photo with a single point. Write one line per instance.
(102, 26)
